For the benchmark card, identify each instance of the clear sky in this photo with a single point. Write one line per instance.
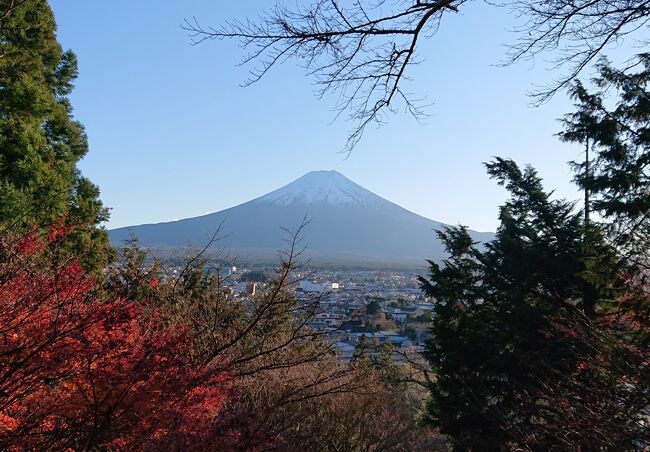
(172, 135)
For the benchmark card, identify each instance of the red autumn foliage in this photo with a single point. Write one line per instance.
(83, 371)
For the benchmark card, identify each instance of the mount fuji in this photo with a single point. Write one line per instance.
(347, 225)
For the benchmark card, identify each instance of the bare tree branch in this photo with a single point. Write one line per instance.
(360, 50)
(359, 53)
(575, 31)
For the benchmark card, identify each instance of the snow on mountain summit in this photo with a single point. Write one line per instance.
(347, 223)
(315, 187)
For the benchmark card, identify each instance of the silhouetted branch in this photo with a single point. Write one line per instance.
(361, 53)
(576, 30)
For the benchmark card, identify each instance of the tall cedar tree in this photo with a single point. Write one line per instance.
(40, 142)
(522, 361)
(614, 123)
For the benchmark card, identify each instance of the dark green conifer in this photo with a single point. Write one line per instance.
(40, 142)
(614, 119)
(521, 360)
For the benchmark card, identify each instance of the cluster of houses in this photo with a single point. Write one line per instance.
(399, 316)
(345, 317)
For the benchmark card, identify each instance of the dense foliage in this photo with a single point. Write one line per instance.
(40, 142)
(81, 369)
(540, 336)
(614, 123)
(135, 360)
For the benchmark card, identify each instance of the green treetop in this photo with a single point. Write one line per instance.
(522, 358)
(40, 142)
(615, 122)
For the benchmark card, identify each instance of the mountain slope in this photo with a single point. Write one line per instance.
(346, 223)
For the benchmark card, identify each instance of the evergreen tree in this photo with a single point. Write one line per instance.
(373, 308)
(521, 359)
(40, 142)
(620, 137)
(618, 178)
(540, 338)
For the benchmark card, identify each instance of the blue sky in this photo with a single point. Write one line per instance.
(172, 135)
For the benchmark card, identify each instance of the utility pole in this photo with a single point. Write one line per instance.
(587, 179)
(589, 293)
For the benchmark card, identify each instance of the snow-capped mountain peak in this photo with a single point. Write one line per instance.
(347, 223)
(317, 187)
